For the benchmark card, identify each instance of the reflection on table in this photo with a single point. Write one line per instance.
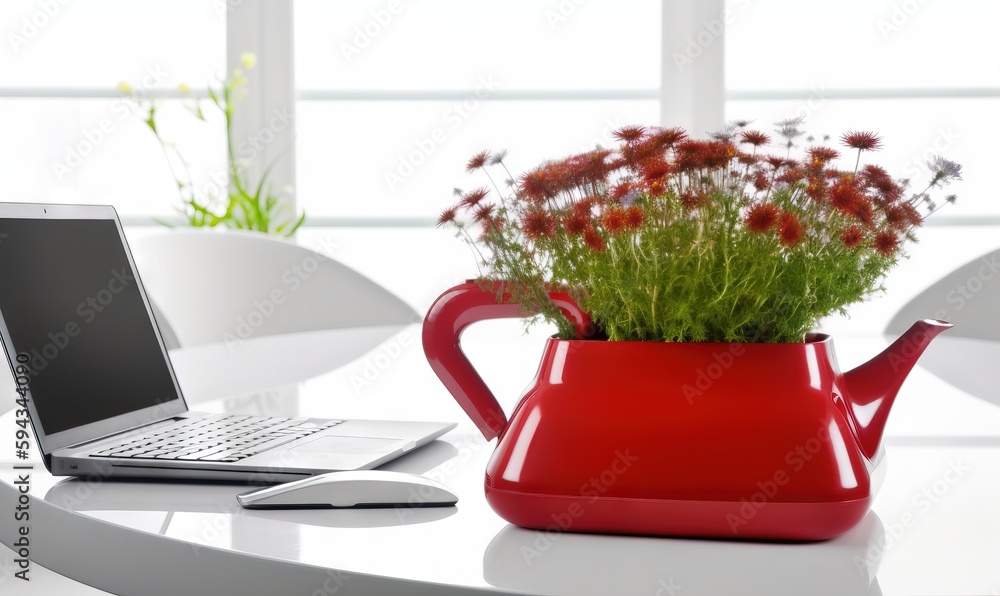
(560, 562)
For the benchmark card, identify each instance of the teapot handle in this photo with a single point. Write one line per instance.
(451, 313)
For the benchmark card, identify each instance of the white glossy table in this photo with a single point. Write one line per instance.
(934, 529)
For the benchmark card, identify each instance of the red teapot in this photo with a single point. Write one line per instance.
(740, 440)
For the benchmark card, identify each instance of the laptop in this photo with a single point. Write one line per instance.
(103, 400)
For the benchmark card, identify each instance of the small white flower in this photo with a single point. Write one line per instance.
(248, 60)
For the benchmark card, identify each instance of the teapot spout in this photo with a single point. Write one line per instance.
(871, 388)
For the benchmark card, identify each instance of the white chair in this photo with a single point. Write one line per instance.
(212, 287)
(969, 298)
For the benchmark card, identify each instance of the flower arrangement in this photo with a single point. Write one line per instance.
(670, 238)
(246, 205)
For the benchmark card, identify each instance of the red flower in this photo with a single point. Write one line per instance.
(886, 243)
(863, 211)
(613, 220)
(665, 138)
(447, 216)
(537, 186)
(693, 199)
(586, 205)
(912, 214)
(473, 197)
(634, 218)
(821, 155)
(845, 195)
(852, 236)
(629, 134)
(791, 176)
(593, 240)
(816, 190)
(483, 213)
(654, 169)
(689, 155)
(754, 137)
(585, 168)
(490, 225)
(761, 181)
(478, 161)
(776, 162)
(790, 230)
(875, 176)
(895, 217)
(718, 153)
(761, 217)
(901, 216)
(538, 225)
(862, 141)
(576, 223)
(620, 191)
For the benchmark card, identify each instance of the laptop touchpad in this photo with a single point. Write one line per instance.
(347, 445)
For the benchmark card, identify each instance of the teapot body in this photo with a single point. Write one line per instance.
(725, 440)
(697, 439)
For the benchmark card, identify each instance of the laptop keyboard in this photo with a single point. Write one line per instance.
(222, 438)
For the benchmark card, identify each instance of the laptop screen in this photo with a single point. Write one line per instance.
(73, 309)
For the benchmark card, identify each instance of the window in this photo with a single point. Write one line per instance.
(396, 96)
(924, 75)
(66, 135)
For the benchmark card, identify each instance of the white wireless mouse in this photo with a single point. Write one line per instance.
(360, 488)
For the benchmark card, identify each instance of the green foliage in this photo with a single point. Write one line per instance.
(711, 279)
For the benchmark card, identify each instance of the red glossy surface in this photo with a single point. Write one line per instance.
(450, 314)
(699, 439)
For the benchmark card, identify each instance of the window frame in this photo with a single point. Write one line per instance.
(693, 98)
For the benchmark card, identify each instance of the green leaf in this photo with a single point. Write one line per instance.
(214, 97)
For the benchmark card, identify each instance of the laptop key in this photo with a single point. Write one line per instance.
(219, 438)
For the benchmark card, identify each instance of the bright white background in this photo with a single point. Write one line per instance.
(394, 98)
(562, 74)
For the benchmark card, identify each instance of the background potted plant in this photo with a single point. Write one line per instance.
(246, 204)
(685, 392)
